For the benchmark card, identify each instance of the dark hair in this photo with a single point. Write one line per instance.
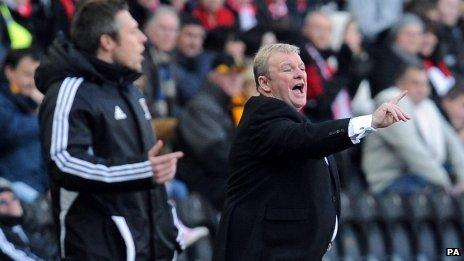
(189, 20)
(93, 19)
(456, 91)
(13, 57)
(217, 38)
(434, 28)
(404, 68)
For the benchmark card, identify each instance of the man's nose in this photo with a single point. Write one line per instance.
(143, 37)
(299, 74)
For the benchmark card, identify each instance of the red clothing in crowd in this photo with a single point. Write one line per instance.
(221, 18)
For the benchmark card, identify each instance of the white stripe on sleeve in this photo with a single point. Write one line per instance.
(79, 167)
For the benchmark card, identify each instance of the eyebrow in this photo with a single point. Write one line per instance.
(289, 64)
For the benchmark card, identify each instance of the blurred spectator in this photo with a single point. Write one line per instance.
(50, 18)
(16, 241)
(247, 12)
(213, 13)
(21, 155)
(192, 62)
(451, 34)
(357, 64)
(259, 36)
(182, 6)
(440, 76)
(267, 38)
(353, 56)
(227, 40)
(424, 8)
(236, 48)
(205, 131)
(324, 80)
(141, 10)
(453, 106)
(249, 84)
(418, 154)
(158, 67)
(375, 16)
(403, 47)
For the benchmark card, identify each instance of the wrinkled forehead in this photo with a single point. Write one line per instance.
(279, 58)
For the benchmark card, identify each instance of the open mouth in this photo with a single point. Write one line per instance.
(298, 88)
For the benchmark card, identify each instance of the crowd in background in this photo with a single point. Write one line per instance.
(197, 76)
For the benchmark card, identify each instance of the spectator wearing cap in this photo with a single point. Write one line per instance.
(192, 63)
(206, 129)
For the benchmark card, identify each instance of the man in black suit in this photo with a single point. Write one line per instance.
(283, 191)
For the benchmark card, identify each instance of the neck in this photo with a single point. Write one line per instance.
(265, 94)
(106, 57)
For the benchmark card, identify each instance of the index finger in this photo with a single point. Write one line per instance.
(399, 97)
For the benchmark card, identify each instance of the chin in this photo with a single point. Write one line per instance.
(298, 107)
(136, 67)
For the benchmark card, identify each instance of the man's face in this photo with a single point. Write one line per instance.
(230, 83)
(190, 41)
(415, 81)
(236, 48)
(318, 29)
(23, 75)
(429, 43)
(163, 32)
(9, 205)
(130, 43)
(455, 110)
(287, 79)
(410, 38)
(449, 11)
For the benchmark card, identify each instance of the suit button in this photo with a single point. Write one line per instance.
(338, 131)
(334, 199)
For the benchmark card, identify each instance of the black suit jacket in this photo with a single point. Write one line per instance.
(281, 200)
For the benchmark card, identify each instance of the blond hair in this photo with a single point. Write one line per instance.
(260, 63)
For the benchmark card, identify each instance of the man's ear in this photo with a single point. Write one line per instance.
(8, 72)
(107, 43)
(264, 83)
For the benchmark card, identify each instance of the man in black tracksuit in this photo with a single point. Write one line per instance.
(106, 175)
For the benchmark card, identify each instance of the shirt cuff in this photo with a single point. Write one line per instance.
(360, 127)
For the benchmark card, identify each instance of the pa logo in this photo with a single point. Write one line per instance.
(453, 252)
